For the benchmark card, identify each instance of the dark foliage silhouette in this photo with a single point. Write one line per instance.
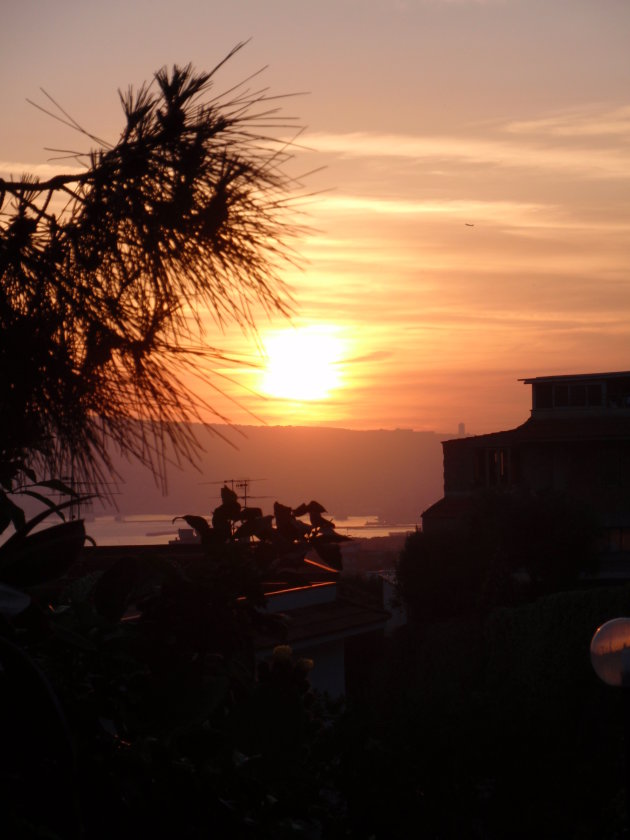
(278, 547)
(107, 273)
(131, 696)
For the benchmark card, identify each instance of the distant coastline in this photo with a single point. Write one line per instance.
(158, 529)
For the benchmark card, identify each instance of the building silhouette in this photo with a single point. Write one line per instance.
(576, 442)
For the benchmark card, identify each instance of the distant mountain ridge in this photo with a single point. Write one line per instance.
(394, 474)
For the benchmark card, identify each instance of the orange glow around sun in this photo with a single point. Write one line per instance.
(303, 363)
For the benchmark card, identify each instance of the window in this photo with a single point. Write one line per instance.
(593, 394)
(493, 467)
(619, 393)
(503, 466)
(480, 468)
(616, 539)
(561, 396)
(577, 396)
(543, 395)
(515, 458)
(498, 461)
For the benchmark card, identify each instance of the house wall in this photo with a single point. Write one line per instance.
(329, 666)
(459, 466)
(476, 463)
(596, 472)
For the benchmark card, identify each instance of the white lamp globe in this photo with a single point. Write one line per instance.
(610, 652)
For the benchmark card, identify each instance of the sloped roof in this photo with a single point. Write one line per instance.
(450, 507)
(336, 619)
(556, 429)
(573, 377)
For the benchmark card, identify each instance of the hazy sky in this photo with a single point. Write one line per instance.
(473, 224)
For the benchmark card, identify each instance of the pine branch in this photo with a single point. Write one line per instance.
(190, 207)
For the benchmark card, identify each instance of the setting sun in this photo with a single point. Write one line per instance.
(303, 363)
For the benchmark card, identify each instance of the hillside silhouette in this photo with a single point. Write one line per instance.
(393, 474)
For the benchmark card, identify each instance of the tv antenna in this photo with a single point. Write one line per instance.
(240, 486)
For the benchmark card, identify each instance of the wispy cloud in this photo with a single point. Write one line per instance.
(588, 163)
(583, 123)
(465, 2)
(466, 209)
(43, 171)
(514, 217)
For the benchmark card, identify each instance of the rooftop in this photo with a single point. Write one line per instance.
(555, 428)
(567, 377)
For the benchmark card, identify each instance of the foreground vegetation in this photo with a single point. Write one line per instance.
(496, 726)
(502, 723)
(132, 702)
(131, 696)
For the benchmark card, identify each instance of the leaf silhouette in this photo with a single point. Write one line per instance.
(328, 553)
(42, 556)
(199, 524)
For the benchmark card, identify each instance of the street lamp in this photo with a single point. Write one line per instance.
(610, 658)
(610, 652)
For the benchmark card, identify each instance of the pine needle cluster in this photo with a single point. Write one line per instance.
(108, 273)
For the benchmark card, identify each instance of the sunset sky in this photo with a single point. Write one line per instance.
(472, 221)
